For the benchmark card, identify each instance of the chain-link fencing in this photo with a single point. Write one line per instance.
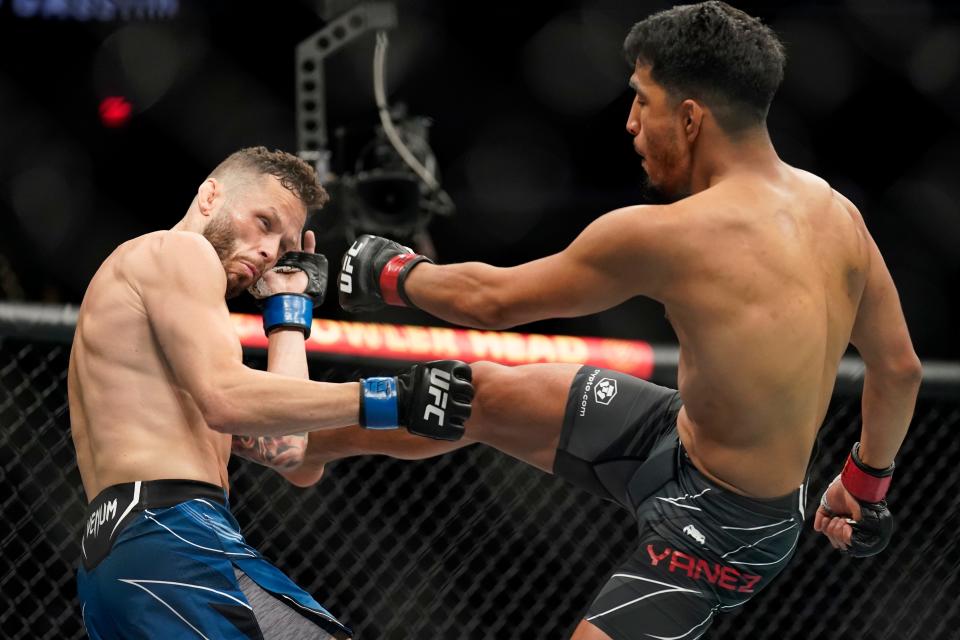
(474, 544)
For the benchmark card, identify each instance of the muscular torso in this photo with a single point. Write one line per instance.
(763, 314)
(130, 420)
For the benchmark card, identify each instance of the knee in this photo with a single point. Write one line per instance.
(492, 383)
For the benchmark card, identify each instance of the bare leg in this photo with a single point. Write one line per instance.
(586, 631)
(518, 410)
(328, 445)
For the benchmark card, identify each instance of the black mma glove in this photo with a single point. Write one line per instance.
(312, 264)
(373, 272)
(868, 486)
(290, 309)
(431, 400)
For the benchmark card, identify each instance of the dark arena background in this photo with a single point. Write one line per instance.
(112, 112)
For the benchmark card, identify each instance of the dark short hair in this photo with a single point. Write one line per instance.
(714, 53)
(296, 175)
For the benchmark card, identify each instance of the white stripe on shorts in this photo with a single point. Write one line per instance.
(672, 589)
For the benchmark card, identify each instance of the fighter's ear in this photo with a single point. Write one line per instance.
(207, 195)
(692, 113)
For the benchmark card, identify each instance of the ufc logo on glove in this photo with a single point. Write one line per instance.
(439, 387)
(346, 268)
(430, 400)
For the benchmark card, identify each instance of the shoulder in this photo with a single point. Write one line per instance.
(848, 207)
(817, 184)
(655, 239)
(703, 214)
(185, 244)
(663, 234)
(621, 232)
(173, 248)
(167, 244)
(177, 255)
(639, 221)
(812, 180)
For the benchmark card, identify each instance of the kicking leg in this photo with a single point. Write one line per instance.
(586, 631)
(520, 410)
(327, 445)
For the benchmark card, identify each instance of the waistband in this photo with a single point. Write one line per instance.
(116, 505)
(779, 506)
(157, 494)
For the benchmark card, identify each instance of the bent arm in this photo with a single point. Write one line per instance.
(618, 256)
(182, 287)
(286, 356)
(893, 371)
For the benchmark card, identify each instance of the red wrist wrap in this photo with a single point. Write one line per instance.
(865, 483)
(390, 279)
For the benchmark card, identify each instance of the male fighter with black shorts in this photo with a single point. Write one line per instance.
(766, 273)
(159, 396)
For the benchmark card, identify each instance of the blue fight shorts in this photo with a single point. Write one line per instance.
(166, 559)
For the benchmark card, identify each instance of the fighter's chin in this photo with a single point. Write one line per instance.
(657, 193)
(235, 286)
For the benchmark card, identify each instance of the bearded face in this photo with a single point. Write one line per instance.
(221, 233)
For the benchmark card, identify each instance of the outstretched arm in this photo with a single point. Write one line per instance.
(622, 254)
(615, 258)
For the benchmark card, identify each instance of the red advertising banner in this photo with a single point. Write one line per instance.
(414, 343)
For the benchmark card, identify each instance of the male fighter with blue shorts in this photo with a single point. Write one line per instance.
(159, 397)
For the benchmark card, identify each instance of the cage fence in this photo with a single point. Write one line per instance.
(474, 544)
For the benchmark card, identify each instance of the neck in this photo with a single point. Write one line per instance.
(191, 221)
(723, 156)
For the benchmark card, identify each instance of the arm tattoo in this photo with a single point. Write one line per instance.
(277, 452)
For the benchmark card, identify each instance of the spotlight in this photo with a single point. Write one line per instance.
(115, 111)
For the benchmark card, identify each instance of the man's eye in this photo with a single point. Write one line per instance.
(265, 223)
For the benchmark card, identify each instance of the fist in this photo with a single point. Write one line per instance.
(859, 528)
(295, 272)
(373, 273)
(435, 399)
(836, 514)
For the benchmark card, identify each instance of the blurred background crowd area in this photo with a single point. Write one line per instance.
(113, 111)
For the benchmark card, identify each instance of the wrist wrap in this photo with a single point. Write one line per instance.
(865, 483)
(378, 403)
(288, 310)
(393, 275)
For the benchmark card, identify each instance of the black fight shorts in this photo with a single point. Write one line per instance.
(702, 549)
